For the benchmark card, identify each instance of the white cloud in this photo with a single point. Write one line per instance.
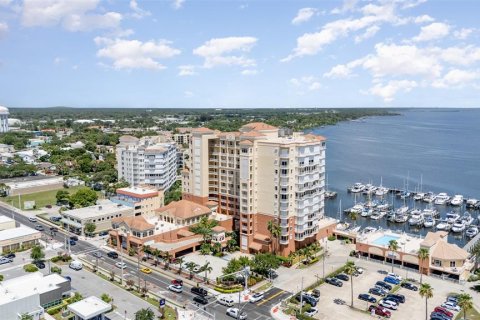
(423, 19)
(388, 91)
(456, 78)
(177, 4)
(186, 70)
(304, 15)
(343, 70)
(5, 3)
(412, 3)
(249, 72)
(306, 83)
(217, 52)
(138, 12)
(463, 33)
(134, 54)
(459, 55)
(73, 15)
(370, 32)
(433, 31)
(348, 5)
(188, 94)
(58, 60)
(3, 29)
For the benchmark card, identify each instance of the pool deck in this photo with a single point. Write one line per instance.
(407, 242)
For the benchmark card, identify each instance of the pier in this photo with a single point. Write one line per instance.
(471, 243)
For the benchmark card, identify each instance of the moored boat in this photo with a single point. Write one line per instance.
(429, 220)
(443, 225)
(458, 226)
(472, 203)
(452, 217)
(471, 231)
(356, 188)
(441, 198)
(457, 200)
(416, 218)
(400, 218)
(429, 197)
(418, 196)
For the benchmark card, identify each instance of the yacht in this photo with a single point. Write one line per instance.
(472, 203)
(472, 231)
(418, 196)
(383, 206)
(458, 226)
(399, 218)
(330, 194)
(358, 208)
(441, 198)
(402, 210)
(405, 195)
(342, 226)
(369, 189)
(381, 191)
(429, 197)
(371, 204)
(443, 225)
(431, 211)
(467, 219)
(391, 216)
(452, 217)
(429, 220)
(366, 213)
(457, 200)
(356, 188)
(416, 218)
(369, 230)
(376, 215)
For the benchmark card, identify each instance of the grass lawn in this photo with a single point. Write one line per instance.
(41, 199)
(472, 314)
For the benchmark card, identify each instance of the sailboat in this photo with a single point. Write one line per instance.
(342, 225)
(381, 190)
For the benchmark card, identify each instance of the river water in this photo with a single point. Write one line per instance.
(429, 149)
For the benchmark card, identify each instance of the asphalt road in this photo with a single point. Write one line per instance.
(156, 281)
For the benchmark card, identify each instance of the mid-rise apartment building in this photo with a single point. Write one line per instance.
(147, 161)
(143, 199)
(258, 176)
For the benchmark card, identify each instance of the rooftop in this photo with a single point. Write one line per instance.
(104, 207)
(89, 307)
(136, 222)
(258, 126)
(19, 232)
(5, 219)
(407, 243)
(184, 209)
(139, 192)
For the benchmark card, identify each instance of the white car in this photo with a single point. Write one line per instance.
(394, 275)
(76, 265)
(311, 312)
(32, 219)
(451, 306)
(256, 297)
(121, 265)
(175, 288)
(196, 269)
(226, 301)
(388, 304)
(360, 270)
(233, 312)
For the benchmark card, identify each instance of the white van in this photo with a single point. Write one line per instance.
(226, 301)
(76, 265)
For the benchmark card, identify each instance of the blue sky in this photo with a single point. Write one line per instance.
(186, 53)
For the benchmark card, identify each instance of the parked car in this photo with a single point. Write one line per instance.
(376, 291)
(76, 265)
(175, 288)
(226, 301)
(334, 281)
(383, 285)
(55, 219)
(399, 297)
(112, 254)
(272, 274)
(74, 238)
(439, 316)
(444, 311)
(32, 219)
(72, 242)
(68, 278)
(379, 311)
(53, 229)
(39, 227)
(311, 312)
(97, 254)
(178, 282)
(342, 276)
(256, 297)
(393, 299)
(10, 255)
(200, 299)
(389, 304)
(359, 270)
(40, 264)
(103, 233)
(234, 313)
(307, 298)
(409, 286)
(453, 299)
(121, 265)
(312, 296)
(391, 280)
(199, 291)
(4, 260)
(315, 293)
(394, 275)
(367, 297)
(451, 306)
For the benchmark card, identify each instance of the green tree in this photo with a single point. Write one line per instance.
(423, 254)
(190, 266)
(1, 277)
(275, 231)
(426, 291)
(207, 268)
(62, 196)
(26, 316)
(56, 269)
(393, 247)
(263, 262)
(174, 193)
(350, 269)
(465, 302)
(37, 253)
(84, 197)
(106, 298)
(217, 247)
(89, 228)
(204, 228)
(145, 314)
(76, 297)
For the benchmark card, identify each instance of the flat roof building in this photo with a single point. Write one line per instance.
(14, 238)
(91, 308)
(143, 199)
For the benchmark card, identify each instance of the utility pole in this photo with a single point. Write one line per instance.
(301, 297)
(138, 267)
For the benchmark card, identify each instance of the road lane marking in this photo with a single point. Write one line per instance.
(270, 298)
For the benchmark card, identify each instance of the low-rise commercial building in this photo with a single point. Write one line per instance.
(14, 238)
(32, 184)
(6, 223)
(31, 294)
(101, 215)
(91, 308)
(143, 199)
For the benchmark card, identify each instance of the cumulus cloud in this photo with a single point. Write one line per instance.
(138, 12)
(177, 4)
(304, 15)
(73, 15)
(463, 33)
(306, 83)
(226, 51)
(135, 54)
(433, 31)
(348, 5)
(342, 71)
(3, 29)
(456, 78)
(387, 91)
(5, 3)
(186, 70)
(423, 19)
(370, 32)
(249, 72)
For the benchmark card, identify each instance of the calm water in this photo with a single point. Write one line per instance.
(442, 146)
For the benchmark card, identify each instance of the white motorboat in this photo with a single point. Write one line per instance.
(452, 217)
(429, 220)
(371, 204)
(402, 210)
(458, 226)
(369, 230)
(376, 215)
(383, 207)
(366, 213)
(358, 208)
(429, 197)
(369, 189)
(381, 191)
(443, 225)
(342, 226)
(356, 188)
(467, 219)
(471, 231)
(457, 200)
(441, 198)
(354, 229)
(416, 218)
(419, 196)
(472, 203)
(431, 211)
(399, 218)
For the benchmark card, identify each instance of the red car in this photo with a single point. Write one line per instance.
(444, 311)
(380, 311)
(177, 282)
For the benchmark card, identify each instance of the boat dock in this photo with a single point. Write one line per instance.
(471, 243)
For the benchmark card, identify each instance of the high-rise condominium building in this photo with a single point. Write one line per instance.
(147, 161)
(258, 176)
(3, 119)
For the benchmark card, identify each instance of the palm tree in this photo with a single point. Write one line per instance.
(423, 254)
(217, 247)
(275, 231)
(166, 257)
(353, 216)
(350, 269)
(144, 314)
(190, 266)
(426, 291)
(207, 268)
(179, 261)
(466, 303)
(393, 247)
(37, 253)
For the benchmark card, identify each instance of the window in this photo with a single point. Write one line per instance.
(452, 264)
(437, 263)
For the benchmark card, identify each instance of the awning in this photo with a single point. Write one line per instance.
(255, 246)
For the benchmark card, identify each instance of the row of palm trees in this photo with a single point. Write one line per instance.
(465, 301)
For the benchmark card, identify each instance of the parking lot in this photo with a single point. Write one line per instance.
(413, 308)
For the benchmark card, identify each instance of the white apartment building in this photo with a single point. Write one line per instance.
(147, 161)
(4, 119)
(258, 176)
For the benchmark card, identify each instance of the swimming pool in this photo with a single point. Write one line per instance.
(384, 240)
